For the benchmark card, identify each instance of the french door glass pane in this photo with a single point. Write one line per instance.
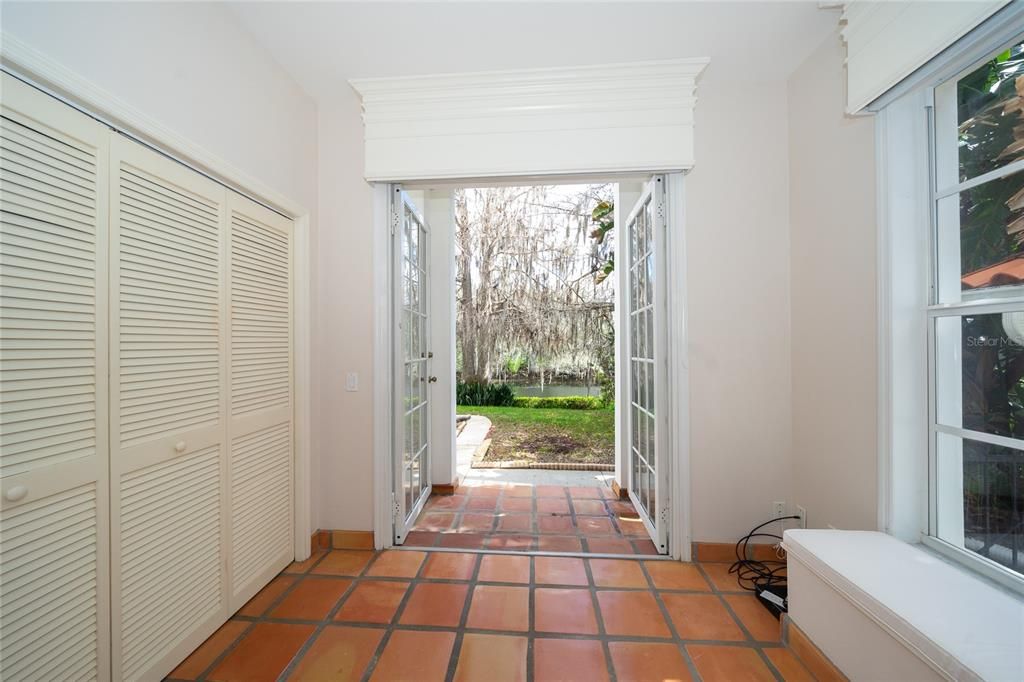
(641, 334)
(414, 316)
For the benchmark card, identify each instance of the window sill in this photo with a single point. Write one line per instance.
(957, 622)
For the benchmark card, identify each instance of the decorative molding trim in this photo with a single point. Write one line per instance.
(726, 552)
(634, 117)
(713, 551)
(808, 653)
(619, 491)
(319, 541)
(887, 41)
(351, 539)
(322, 540)
(446, 488)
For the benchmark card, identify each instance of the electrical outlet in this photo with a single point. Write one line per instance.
(778, 509)
(802, 513)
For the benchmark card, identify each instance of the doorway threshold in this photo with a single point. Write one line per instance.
(534, 552)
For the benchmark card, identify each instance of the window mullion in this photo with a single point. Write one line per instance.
(981, 307)
(996, 174)
(990, 438)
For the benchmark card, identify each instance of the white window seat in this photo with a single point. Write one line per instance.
(958, 624)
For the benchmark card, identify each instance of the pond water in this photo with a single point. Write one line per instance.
(556, 390)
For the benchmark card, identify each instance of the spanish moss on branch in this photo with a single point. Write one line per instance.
(528, 297)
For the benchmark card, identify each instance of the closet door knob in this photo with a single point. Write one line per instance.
(15, 493)
(179, 447)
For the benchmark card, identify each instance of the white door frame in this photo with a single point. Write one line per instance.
(25, 62)
(678, 381)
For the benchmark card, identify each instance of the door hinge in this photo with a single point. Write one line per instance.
(664, 515)
(396, 510)
(394, 221)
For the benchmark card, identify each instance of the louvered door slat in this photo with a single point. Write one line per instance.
(183, 262)
(260, 335)
(168, 412)
(39, 263)
(54, 542)
(166, 557)
(50, 560)
(261, 424)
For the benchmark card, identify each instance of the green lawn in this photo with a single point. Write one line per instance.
(549, 435)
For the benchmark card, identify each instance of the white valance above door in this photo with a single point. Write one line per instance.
(609, 118)
(888, 41)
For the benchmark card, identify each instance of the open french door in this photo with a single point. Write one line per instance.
(411, 438)
(646, 306)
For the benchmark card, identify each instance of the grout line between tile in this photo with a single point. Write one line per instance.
(602, 632)
(670, 623)
(390, 627)
(453, 659)
(201, 677)
(531, 623)
(325, 622)
(636, 545)
(461, 629)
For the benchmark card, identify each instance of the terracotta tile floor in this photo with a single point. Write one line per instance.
(524, 517)
(411, 615)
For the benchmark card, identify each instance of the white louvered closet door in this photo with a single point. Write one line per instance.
(54, 606)
(260, 426)
(168, 410)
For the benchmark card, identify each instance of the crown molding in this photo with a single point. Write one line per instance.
(612, 117)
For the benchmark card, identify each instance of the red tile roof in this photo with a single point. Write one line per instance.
(1009, 271)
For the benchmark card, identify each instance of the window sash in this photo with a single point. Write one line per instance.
(995, 300)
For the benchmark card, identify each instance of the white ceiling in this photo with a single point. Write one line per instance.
(322, 45)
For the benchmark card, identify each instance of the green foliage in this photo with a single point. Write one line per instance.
(566, 402)
(596, 423)
(607, 382)
(480, 393)
(603, 216)
(989, 138)
(515, 362)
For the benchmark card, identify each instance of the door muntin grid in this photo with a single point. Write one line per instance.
(412, 483)
(644, 229)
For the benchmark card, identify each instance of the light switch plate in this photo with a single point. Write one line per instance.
(352, 381)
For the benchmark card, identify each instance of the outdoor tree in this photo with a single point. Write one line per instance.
(528, 291)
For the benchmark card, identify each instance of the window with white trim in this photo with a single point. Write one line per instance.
(976, 318)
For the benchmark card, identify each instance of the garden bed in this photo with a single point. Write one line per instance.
(533, 437)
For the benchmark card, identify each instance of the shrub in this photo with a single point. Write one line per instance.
(569, 402)
(607, 389)
(478, 393)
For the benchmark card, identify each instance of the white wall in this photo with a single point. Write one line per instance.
(738, 259)
(193, 69)
(738, 242)
(345, 283)
(760, 429)
(832, 223)
(738, 233)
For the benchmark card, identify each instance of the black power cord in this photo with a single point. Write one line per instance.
(762, 576)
